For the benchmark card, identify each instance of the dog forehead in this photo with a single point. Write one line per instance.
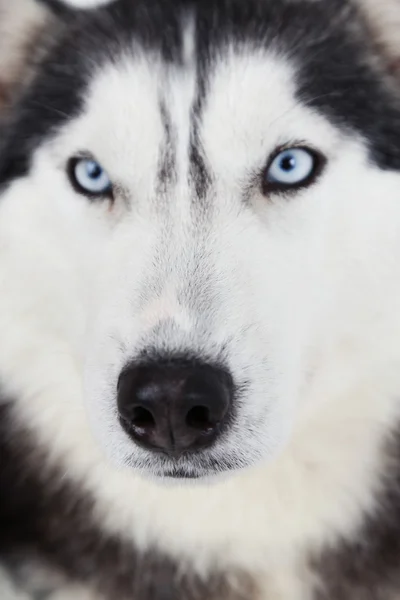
(313, 37)
(143, 120)
(325, 43)
(244, 91)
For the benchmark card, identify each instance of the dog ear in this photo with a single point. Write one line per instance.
(21, 25)
(25, 26)
(383, 20)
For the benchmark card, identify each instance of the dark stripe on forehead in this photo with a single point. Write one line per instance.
(200, 176)
(200, 172)
(167, 174)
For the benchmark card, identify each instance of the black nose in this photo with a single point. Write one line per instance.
(174, 406)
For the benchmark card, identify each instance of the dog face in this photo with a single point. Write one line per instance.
(198, 220)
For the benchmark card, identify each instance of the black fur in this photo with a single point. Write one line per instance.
(42, 515)
(326, 41)
(368, 566)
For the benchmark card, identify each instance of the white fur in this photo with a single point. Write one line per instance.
(86, 4)
(304, 292)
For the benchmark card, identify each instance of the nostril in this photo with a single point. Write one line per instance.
(142, 418)
(198, 417)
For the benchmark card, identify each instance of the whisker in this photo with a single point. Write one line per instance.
(50, 109)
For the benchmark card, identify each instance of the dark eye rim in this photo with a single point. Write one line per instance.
(275, 187)
(71, 165)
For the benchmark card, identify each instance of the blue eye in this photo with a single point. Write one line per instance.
(88, 177)
(292, 168)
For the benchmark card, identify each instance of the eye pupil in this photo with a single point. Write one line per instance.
(94, 170)
(288, 163)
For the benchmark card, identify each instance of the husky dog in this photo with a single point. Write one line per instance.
(199, 307)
